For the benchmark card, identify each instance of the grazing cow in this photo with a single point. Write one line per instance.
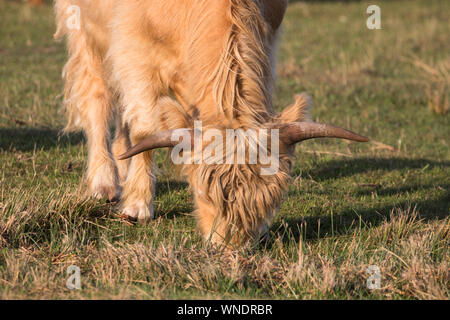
(154, 66)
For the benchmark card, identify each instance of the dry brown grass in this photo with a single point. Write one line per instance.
(411, 253)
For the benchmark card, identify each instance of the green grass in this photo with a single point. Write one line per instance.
(384, 203)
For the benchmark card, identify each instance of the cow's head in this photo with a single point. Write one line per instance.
(239, 174)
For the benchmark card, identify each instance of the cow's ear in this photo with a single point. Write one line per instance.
(299, 111)
(274, 11)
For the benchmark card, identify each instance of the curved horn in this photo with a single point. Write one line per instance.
(161, 139)
(298, 131)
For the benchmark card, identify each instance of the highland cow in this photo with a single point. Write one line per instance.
(156, 67)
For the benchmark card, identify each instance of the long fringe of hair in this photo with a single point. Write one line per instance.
(243, 77)
(243, 83)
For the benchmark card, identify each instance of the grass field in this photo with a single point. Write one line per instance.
(349, 206)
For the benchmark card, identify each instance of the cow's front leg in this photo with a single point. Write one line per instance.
(139, 186)
(101, 172)
(88, 103)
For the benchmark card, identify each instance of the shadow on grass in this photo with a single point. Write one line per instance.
(335, 169)
(29, 139)
(345, 222)
(372, 215)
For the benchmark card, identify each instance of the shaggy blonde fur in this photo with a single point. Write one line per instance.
(161, 64)
(243, 76)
